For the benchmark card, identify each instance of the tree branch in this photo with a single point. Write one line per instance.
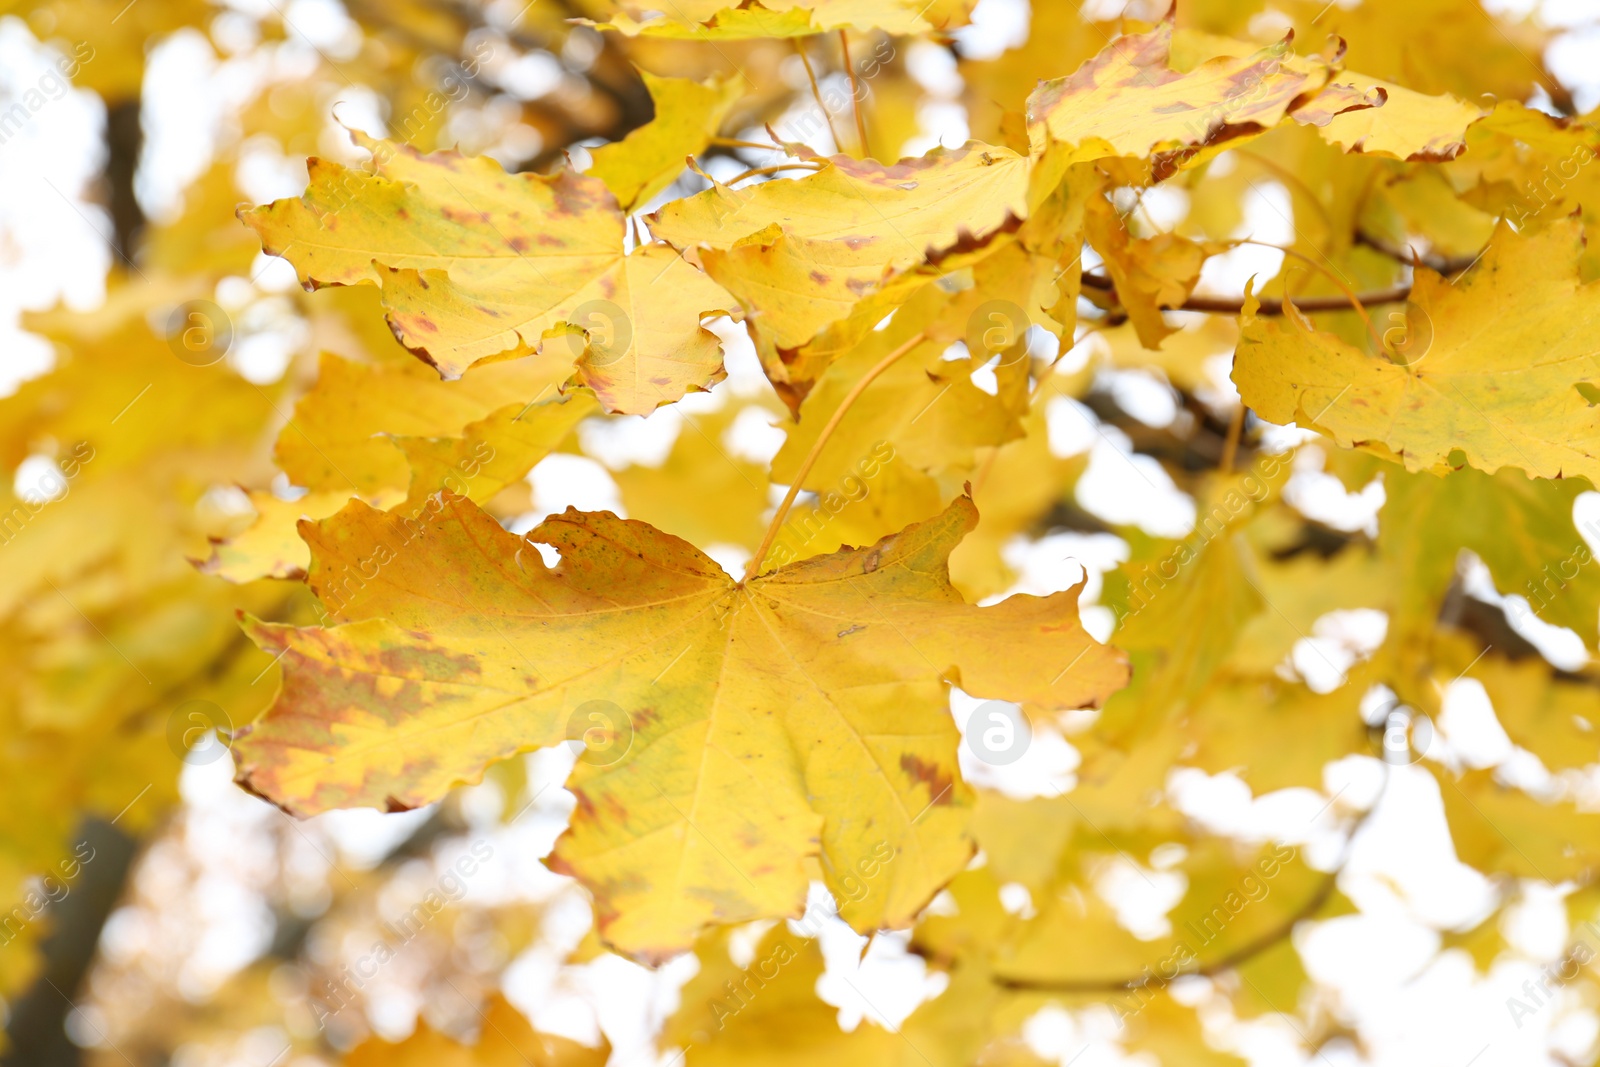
(1229, 960)
(124, 141)
(1270, 307)
(38, 1018)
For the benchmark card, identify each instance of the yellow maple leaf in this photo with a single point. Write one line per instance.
(478, 265)
(1500, 829)
(742, 727)
(899, 212)
(1362, 114)
(1128, 101)
(1151, 273)
(688, 114)
(506, 1040)
(818, 261)
(1509, 375)
(346, 431)
(722, 20)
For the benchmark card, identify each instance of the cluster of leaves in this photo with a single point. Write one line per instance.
(915, 320)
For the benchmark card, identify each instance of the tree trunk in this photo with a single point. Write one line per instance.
(37, 1028)
(124, 139)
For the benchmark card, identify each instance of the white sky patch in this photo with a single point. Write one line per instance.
(52, 239)
(561, 481)
(1142, 394)
(1337, 642)
(884, 986)
(621, 441)
(1046, 767)
(1268, 217)
(996, 26)
(1559, 645)
(1322, 497)
(754, 435)
(1120, 486)
(1140, 896)
(1468, 724)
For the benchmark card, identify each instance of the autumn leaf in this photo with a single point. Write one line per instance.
(345, 431)
(688, 114)
(1150, 273)
(1474, 388)
(714, 20)
(1128, 102)
(764, 718)
(506, 1040)
(1502, 830)
(532, 264)
(995, 274)
(818, 261)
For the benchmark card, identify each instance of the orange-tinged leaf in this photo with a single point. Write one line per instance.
(1150, 273)
(749, 725)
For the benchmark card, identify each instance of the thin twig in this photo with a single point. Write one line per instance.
(855, 92)
(816, 449)
(816, 92)
(1410, 256)
(1228, 960)
(1269, 307)
(1230, 447)
(1350, 293)
(734, 142)
(756, 172)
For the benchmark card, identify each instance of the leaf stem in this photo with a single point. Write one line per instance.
(816, 92)
(734, 142)
(1230, 447)
(855, 91)
(816, 449)
(755, 172)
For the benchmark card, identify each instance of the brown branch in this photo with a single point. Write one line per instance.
(1229, 960)
(124, 142)
(36, 1028)
(1410, 256)
(1269, 307)
(1230, 447)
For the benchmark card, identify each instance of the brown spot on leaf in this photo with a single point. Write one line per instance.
(939, 781)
